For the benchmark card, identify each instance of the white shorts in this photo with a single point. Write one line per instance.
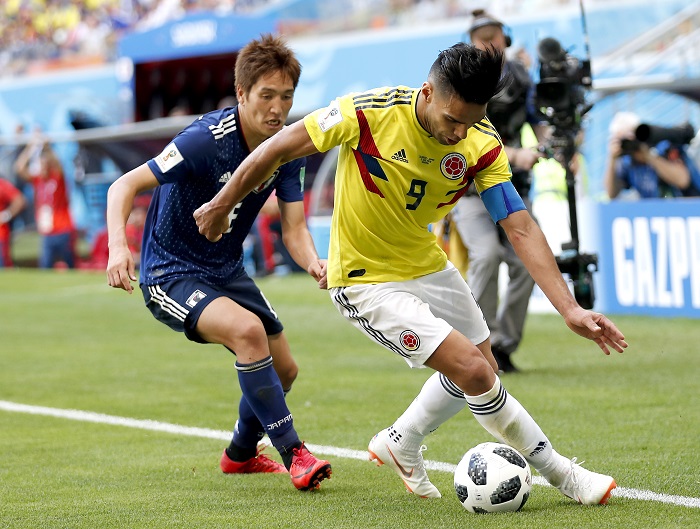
(412, 318)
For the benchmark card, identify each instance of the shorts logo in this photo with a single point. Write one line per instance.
(195, 298)
(453, 166)
(169, 158)
(409, 340)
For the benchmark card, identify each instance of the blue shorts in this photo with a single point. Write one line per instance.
(180, 302)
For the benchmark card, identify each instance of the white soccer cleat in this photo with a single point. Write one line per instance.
(586, 487)
(384, 449)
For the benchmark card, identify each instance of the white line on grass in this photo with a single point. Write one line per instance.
(88, 416)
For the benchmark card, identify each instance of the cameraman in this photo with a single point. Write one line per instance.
(485, 241)
(659, 171)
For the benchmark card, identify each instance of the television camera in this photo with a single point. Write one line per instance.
(560, 98)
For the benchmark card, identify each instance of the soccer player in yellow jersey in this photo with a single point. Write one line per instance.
(406, 156)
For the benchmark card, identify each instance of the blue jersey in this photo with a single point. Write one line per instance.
(191, 170)
(644, 179)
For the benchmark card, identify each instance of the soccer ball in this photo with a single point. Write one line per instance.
(493, 477)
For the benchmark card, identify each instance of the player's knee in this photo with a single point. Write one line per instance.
(288, 374)
(473, 375)
(249, 333)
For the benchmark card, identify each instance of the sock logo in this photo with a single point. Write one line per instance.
(540, 447)
(279, 423)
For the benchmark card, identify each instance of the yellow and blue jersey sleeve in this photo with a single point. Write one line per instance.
(334, 125)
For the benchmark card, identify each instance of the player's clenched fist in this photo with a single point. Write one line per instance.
(212, 222)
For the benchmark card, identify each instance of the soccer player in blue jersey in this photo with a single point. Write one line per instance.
(406, 156)
(201, 288)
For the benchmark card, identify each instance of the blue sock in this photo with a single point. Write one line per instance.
(263, 393)
(248, 430)
(246, 433)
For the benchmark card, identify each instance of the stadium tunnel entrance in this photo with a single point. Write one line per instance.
(185, 67)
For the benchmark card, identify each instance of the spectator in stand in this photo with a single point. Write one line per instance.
(12, 202)
(38, 164)
(8, 156)
(664, 170)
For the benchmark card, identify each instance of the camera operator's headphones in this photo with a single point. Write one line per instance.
(483, 19)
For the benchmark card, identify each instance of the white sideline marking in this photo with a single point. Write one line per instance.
(101, 418)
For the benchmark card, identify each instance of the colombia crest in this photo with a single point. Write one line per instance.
(453, 166)
(409, 340)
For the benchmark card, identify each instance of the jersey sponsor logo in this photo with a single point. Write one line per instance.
(453, 166)
(195, 298)
(400, 156)
(225, 177)
(169, 158)
(331, 117)
(425, 159)
(409, 340)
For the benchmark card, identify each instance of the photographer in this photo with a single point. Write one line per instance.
(660, 170)
(486, 243)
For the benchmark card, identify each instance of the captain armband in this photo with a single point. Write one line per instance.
(501, 200)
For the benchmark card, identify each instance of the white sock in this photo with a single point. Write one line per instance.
(438, 400)
(506, 419)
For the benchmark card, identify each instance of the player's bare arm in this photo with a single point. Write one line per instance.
(289, 144)
(297, 239)
(121, 269)
(532, 248)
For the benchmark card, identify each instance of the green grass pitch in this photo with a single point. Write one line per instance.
(69, 342)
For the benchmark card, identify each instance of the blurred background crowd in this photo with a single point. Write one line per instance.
(67, 66)
(36, 35)
(40, 34)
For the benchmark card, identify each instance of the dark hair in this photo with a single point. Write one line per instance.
(263, 56)
(473, 74)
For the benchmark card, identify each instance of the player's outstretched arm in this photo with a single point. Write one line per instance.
(121, 269)
(596, 327)
(299, 242)
(289, 144)
(532, 248)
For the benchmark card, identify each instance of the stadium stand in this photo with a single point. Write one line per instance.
(76, 44)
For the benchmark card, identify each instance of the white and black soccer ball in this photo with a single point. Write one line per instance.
(493, 477)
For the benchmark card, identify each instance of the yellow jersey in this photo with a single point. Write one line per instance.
(393, 181)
